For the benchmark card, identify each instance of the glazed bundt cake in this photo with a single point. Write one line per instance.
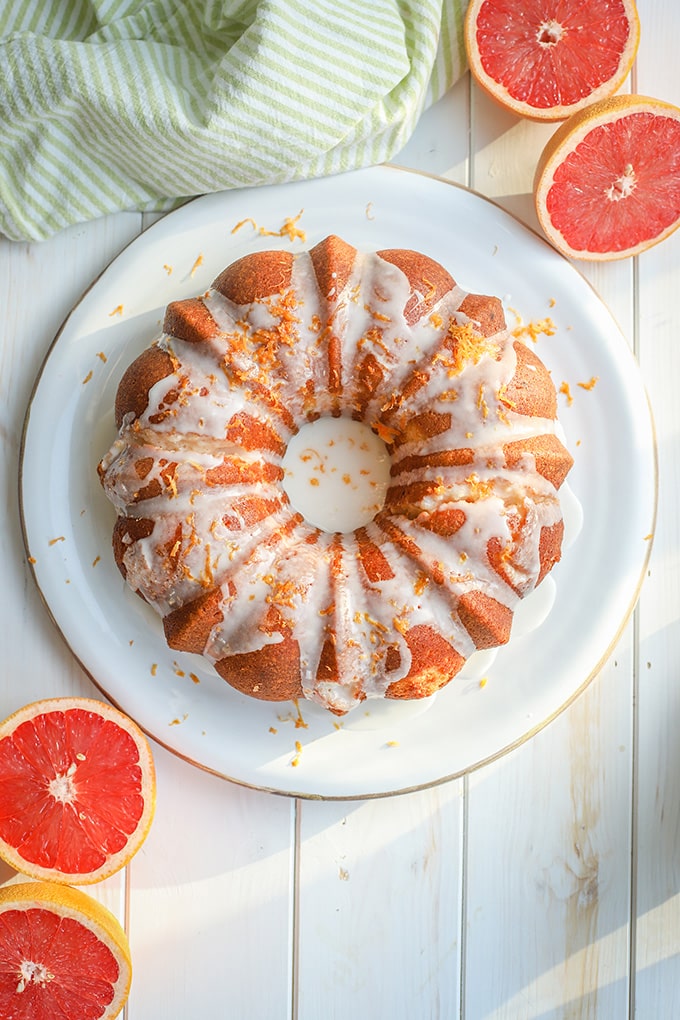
(206, 532)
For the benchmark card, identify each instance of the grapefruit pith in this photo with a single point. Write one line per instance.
(546, 59)
(77, 790)
(62, 954)
(607, 184)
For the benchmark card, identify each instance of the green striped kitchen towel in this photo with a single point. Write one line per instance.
(136, 104)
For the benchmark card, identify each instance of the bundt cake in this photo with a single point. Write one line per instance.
(206, 532)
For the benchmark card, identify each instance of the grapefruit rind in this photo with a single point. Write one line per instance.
(67, 902)
(500, 93)
(564, 141)
(115, 861)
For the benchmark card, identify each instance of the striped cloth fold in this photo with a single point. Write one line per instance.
(138, 104)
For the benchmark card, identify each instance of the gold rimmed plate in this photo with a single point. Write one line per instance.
(375, 751)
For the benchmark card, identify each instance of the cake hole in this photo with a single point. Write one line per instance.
(336, 474)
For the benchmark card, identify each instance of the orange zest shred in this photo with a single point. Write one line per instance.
(465, 346)
(118, 310)
(532, 330)
(481, 402)
(298, 751)
(374, 335)
(196, 265)
(518, 318)
(447, 396)
(478, 488)
(564, 388)
(299, 721)
(207, 579)
(87, 377)
(504, 398)
(592, 382)
(359, 617)
(431, 289)
(385, 432)
(283, 593)
(242, 223)
(289, 229)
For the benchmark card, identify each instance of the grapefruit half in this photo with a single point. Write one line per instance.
(77, 790)
(607, 184)
(546, 59)
(62, 954)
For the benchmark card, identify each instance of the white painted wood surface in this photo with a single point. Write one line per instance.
(545, 886)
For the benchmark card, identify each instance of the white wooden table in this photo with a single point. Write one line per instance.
(545, 885)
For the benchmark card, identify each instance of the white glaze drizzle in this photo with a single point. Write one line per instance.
(316, 580)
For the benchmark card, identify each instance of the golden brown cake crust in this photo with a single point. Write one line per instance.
(189, 320)
(132, 396)
(255, 276)
(429, 281)
(188, 628)
(433, 664)
(271, 673)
